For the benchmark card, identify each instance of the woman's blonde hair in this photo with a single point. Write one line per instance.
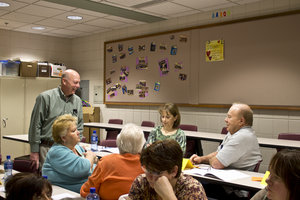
(131, 139)
(61, 125)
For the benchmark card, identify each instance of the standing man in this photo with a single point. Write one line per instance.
(239, 149)
(49, 105)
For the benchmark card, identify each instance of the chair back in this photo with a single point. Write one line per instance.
(115, 121)
(188, 127)
(83, 139)
(191, 147)
(288, 136)
(147, 124)
(108, 143)
(257, 166)
(113, 133)
(224, 131)
(24, 164)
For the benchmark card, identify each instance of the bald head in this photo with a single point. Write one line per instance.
(244, 111)
(70, 82)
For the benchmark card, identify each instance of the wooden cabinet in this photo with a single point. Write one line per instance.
(17, 98)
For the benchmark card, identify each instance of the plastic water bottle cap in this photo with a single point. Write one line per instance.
(94, 132)
(8, 157)
(45, 176)
(92, 190)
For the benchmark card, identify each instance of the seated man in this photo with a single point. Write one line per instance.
(239, 149)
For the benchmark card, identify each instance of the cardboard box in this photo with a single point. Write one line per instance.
(43, 70)
(90, 114)
(9, 68)
(28, 69)
(57, 70)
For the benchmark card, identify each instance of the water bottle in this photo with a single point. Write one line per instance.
(8, 166)
(92, 195)
(94, 141)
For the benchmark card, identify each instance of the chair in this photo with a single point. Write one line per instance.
(224, 131)
(193, 146)
(147, 124)
(257, 166)
(111, 134)
(288, 136)
(24, 164)
(109, 143)
(83, 139)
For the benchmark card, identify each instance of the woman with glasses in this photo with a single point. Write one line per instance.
(284, 179)
(163, 179)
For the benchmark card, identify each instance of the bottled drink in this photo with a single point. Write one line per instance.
(92, 195)
(8, 166)
(94, 141)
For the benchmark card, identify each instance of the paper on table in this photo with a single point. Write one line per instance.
(108, 149)
(186, 164)
(63, 195)
(226, 175)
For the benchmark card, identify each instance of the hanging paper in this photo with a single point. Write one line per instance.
(214, 50)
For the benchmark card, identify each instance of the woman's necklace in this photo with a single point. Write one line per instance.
(168, 132)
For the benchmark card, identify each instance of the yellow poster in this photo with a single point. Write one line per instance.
(214, 50)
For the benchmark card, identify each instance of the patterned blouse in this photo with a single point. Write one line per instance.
(186, 188)
(157, 134)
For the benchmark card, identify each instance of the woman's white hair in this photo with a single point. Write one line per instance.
(131, 139)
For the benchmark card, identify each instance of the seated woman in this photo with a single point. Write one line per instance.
(28, 186)
(67, 164)
(163, 179)
(283, 181)
(115, 173)
(170, 118)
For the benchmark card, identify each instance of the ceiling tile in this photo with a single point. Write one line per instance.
(56, 35)
(64, 32)
(13, 5)
(55, 23)
(54, 5)
(104, 23)
(40, 11)
(11, 24)
(2, 12)
(196, 4)
(221, 6)
(190, 12)
(166, 8)
(20, 17)
(83, 28)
